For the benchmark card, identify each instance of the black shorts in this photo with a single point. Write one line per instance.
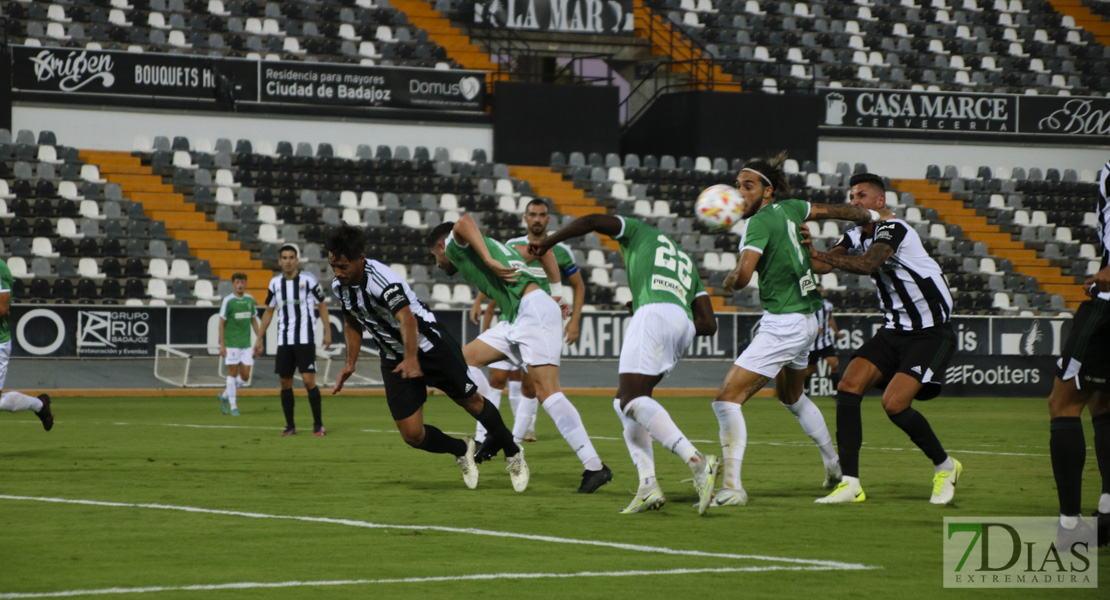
(815, 356)
(923, 354)
(444, 369)
(1087, 349)
(295, 357)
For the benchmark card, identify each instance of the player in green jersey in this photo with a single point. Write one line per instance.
(669, 307)
(529, 334)
(522, 392)
(238, 316)
(772, 246)
(12, 401)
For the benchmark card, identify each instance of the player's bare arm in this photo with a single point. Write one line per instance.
(410, 365)
(741, 276)
(705, 322)
(223, 350)
(327, 324)
(845, 212)
(466, 229)
(487, 318)
(1100, 282)
(5, 304)
(352, 335)
(579, 286)
(267, 316)
(862, 265)
(606, 224)
(476, 308)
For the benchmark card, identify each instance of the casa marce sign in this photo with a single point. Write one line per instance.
(956, 114)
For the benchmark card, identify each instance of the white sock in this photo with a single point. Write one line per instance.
(16, 402)
(654, 418)
(569, 423)
(524, 421)
(1104, 504)
(487, 392)
(239, 381)
(229, 391)
(734, 440)
(515, 396)
(813, 423)
(1068, 522)
(850, 480)
(532, 423)
(638, 441)
(947, 465)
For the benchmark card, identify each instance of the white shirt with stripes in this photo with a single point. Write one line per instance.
(1103, 214)
(825, 337)
(374, 303)
(911, 287)
(294, 301)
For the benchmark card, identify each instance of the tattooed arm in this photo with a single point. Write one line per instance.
(863, 265)
(844, 212)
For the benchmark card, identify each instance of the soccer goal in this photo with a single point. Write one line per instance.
(191, 365)
(330, 363)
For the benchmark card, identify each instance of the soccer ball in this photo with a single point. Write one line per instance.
(719, 207)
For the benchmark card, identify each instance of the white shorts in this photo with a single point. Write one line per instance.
(657, 336)
(535, 338)
(240, 356)
(782, 341)
(5, 355)
(503, 365)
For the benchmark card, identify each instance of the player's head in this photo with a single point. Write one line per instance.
(867, 191)
(760, 180)
(239, 283)
(435, 242)
(536, 216)
(346, 246)
(288, 259)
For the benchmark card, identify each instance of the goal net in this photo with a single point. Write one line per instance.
(200, 365)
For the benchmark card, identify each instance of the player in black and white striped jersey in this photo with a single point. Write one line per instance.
(824, 345)
(416, 352)
(294, 296)
(1083, 379)
(909, 354)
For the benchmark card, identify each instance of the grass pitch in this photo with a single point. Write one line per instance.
(165, 497)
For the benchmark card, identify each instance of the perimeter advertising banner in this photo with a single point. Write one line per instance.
(995, 356)
(85, 75)
(598, 17)
(956, 114)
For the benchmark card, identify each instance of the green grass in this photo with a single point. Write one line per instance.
(127, 450)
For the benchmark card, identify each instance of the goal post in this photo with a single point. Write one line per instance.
(201, 366)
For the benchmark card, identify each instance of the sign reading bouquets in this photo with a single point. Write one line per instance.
(78, 71)
(598, 17)
(358, 86)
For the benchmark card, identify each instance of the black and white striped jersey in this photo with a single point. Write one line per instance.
(912, 290)
(374, 303)
(825, 334)
(1103, 213)
(295, 303)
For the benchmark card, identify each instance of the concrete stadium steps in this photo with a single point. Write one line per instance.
(672, 43)
(182, 219)
(1084, 18)
(457, 44)
(999, 244)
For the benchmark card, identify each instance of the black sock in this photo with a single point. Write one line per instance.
(917, 427)
(849, 432)
(437, 442)
(1102, 448)
(835, 375)
(314, 404)
(490, 418)
(287, 406)
(1069, 452)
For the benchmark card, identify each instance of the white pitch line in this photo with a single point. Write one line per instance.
(464, 530)
(472, 577)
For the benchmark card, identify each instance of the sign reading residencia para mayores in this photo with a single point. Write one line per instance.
(955, 113)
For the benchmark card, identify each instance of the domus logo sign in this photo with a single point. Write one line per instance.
(469, 86)
(73, 70)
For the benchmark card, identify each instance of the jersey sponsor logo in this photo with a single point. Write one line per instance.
(242, 315)
(394, 296)
(806, 284)
(883, 234)
(660, 282)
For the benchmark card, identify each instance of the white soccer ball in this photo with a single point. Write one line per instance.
(719, 207)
